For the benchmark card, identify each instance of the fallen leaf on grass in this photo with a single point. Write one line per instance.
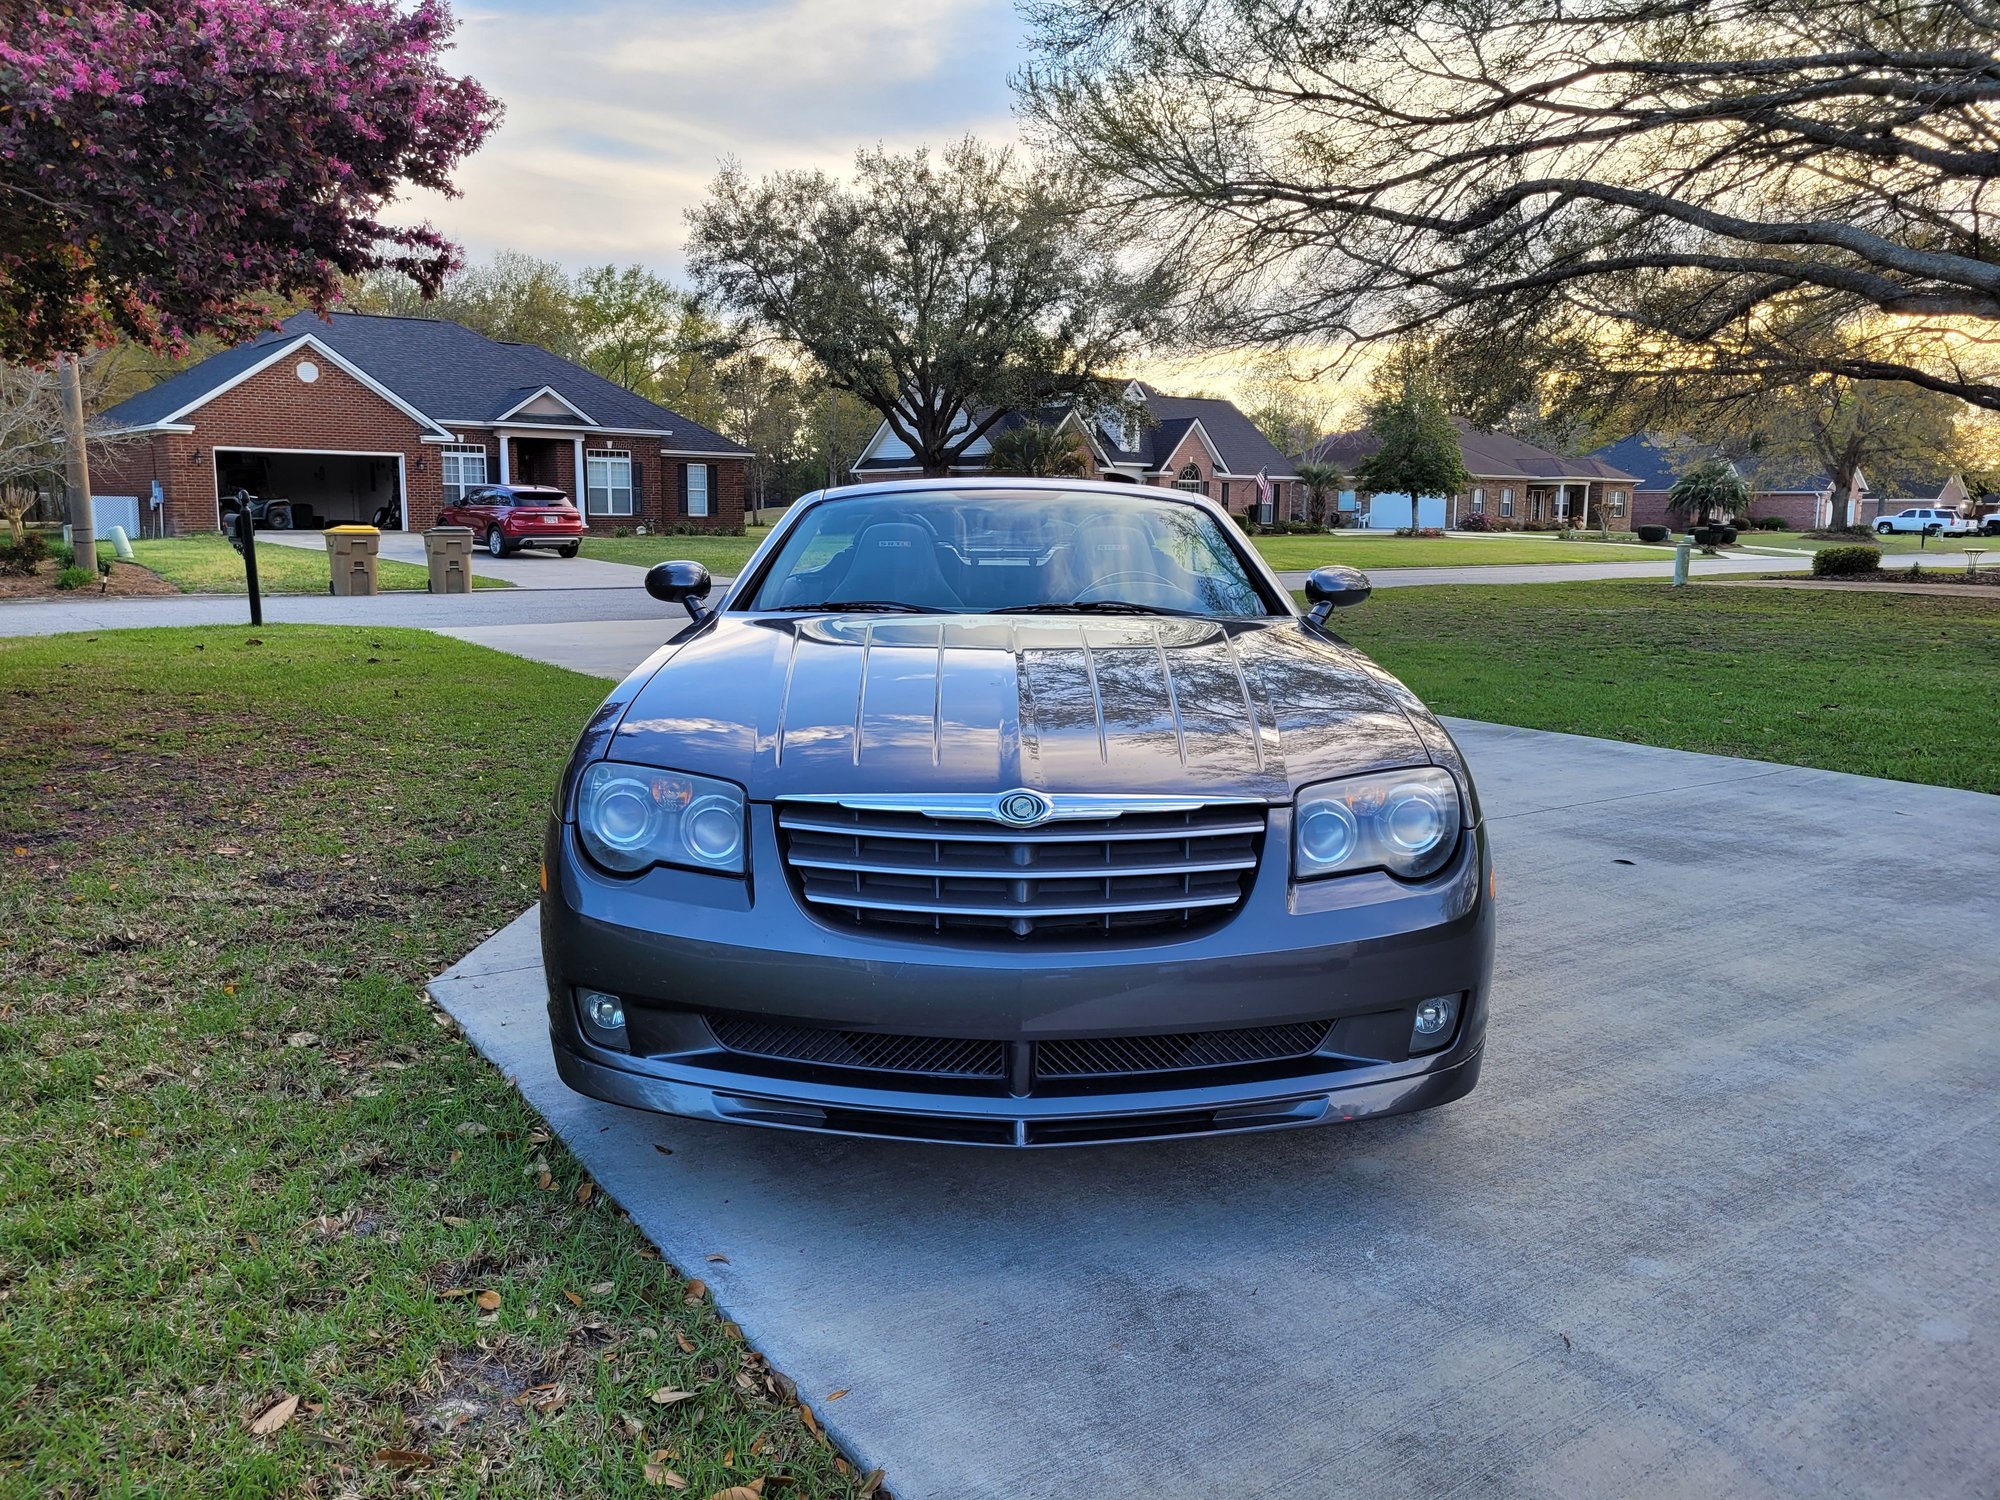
(274, 1416)
(583, 1193)
(666, 1395)
(749, 1491)
(806, 1416)
(572, 1298)
(687, 1345)
(302, 1039)
(696, 1290)
(488, 1300)
(660, 1476)
(473, 1127)
(455, 1222)
(404, 1458)
(603, 1288)
(545, 1182)
(871, 1484)
(456, 1291)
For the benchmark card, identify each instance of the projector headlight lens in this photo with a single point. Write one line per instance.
(1405, 822)
(631, 818)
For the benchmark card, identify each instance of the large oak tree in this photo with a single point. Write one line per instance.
(1670, 180)
(942, 290)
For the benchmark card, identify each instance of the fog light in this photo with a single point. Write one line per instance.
(1433, 1024)
(604, 1019)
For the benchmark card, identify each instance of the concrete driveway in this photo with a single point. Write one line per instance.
(1722, 1217)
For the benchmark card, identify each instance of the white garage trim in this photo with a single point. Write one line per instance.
(402, 470)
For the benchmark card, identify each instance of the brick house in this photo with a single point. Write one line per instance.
(1200, 444)
(1802, 502)
(1514, 484)
(347, 414)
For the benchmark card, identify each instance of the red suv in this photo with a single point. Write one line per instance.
(507, 517)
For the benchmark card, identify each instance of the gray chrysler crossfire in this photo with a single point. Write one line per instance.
(1015, 813)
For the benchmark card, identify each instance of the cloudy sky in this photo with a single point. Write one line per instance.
(619, 111)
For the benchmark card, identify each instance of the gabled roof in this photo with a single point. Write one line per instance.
(1486, 455)
(1232, 438)
(442, 369)
(1656, 465)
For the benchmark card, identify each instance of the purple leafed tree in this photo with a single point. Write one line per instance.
(175, 167)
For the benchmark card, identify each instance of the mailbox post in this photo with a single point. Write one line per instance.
(242, 530)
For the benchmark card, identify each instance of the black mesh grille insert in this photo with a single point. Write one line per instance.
(1111, 1056)
(933, 1056)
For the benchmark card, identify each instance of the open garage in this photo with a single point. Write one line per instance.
(323, 488)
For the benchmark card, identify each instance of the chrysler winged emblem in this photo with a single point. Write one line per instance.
(1023, 808)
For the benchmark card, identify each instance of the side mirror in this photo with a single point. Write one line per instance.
(682, 583)
(1334, 587)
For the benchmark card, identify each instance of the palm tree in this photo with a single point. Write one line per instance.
(1320, 481)
(1711, 487)
(1035, 450)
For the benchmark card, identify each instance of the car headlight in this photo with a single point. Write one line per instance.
(634, 817)
(1405, 822)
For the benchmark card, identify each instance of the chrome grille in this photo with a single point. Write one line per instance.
(1111, 1056)
(934, 1056)
(1135, 871)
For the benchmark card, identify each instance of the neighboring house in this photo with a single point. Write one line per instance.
(1513, 484)
(1199, 444)
(1945, 488)
(347, 414)
(1802, 503)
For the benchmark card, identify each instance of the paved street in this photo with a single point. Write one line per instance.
(1720, 1219)
(615, 592)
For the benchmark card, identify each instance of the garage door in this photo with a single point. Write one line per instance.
(325, 489)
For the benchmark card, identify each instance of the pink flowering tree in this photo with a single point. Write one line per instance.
(176, 167)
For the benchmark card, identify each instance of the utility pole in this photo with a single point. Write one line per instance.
(82, 515)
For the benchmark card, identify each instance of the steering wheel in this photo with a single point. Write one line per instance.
(1133, 576)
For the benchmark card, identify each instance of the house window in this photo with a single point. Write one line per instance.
(1506, 502)
(464, 467)
(1130, 432)
(697, 489)
(1617, 502)
(1478, 501)
(608, 483)
(1190, 480)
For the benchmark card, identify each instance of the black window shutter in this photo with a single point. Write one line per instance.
(684, 490)
(638, 489)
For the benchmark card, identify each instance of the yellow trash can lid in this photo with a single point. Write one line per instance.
(371, 530)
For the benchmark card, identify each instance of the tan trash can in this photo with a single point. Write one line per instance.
(448, 551)
(350, 553)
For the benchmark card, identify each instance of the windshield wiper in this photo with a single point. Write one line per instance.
(859, 606)
(1096, 607)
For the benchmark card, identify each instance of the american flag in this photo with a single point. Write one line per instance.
(1263, 486)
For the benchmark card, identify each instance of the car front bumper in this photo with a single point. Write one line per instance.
(686, 952)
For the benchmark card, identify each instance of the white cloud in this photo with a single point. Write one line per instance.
(618, 113)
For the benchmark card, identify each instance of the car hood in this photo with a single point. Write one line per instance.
(830, 704)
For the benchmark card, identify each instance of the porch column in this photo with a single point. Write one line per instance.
(1585, 523)
(582, 484)
(506, 474)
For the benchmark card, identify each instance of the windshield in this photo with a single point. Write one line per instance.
(996, 551)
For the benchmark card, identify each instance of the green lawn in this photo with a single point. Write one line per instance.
(207, 564)
(723, 556)
(1893, 685)
(1895, 542)
(242, 1158)
(1300, 553)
